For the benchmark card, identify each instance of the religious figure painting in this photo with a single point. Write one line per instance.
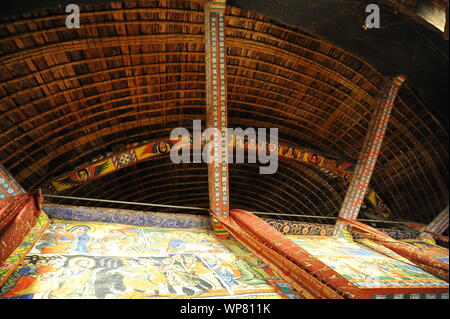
(100, 260)
(367, 267)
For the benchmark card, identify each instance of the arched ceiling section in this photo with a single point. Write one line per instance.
(135, 70)
(414, 47)
(295, 188)
(402, 44)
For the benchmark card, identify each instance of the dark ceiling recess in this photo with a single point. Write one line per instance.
(135, 70)
(401, 45)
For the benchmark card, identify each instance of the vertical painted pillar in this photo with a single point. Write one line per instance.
(8, 185)
(440, 224)
(216, 109)
(369, 153)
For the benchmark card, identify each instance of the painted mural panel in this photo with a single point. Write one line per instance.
(90, 239)
(180, 276)
(365, 267)
(99, 260)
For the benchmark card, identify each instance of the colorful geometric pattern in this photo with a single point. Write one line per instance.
(218, 229)
(309, 157)
(124, 159)
(338, 169)
(171, 220)
(110, 163)
(296, 228)
(126, 217)
(369, 153)
(309, 229)
(439, 224)
(217, 5)
(8, 185)
(101, 260)
(217, 110)
(412, 296)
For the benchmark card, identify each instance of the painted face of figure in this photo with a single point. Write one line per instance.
(58, 262)
(314, 158)
(289, 152)
(163, 148)
(83, 263)
(40, 262)
(347, 177)
(79, 230)
(83, 175)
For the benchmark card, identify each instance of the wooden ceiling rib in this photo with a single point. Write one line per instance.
(135, 70)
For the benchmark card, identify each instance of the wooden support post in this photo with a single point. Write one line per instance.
(437, 227)
(216, 109)
(369, 153)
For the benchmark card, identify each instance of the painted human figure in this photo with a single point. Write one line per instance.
(136, 278)
(178, 277)
(228, 273)
(74, 240)
(163, 148)
(76, 279)
(22, 278)
(47, 277)
(314, 159)
(288, 152)
(196, 267)
(81, 238)
(83, 175)
(155, 274)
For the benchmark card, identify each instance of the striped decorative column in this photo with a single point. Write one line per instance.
(8, 185)
(216, 109)
(369, 153)
(440, 224)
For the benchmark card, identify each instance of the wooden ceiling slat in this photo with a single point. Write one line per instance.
(135, 71)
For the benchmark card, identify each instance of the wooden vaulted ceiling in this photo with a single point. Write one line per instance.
(135, 70)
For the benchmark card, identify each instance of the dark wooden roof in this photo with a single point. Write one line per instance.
(135, 70)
